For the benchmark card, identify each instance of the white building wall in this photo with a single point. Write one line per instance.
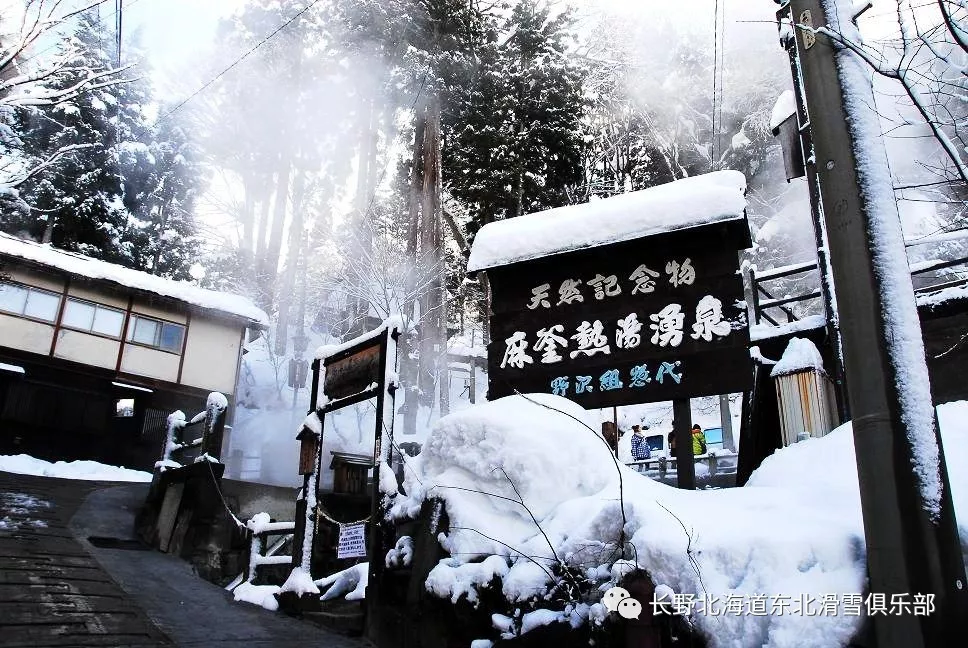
(36, 279)
(114, 300)
(160, 313)
(143, 361)
(88, 349)
(26, 335)
(211, 355)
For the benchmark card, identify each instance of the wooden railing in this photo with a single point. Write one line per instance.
(717, 464)
(263, 553)
(212, 421)
(764, 299)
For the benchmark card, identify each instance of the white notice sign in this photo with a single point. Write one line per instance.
(351, 541)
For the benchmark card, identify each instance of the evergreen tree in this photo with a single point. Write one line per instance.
(513, 130)
(161, 184)
(77, 205)
(127, 194)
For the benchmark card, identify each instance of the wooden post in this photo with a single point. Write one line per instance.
(615, 423)
(214, 428)
(682, 427)
(473, 386)
(726, 421)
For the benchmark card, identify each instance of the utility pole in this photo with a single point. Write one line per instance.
(819, 227)
(910, 550)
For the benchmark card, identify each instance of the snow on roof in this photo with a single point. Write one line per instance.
(393, 323)
(77, 264)
(786, 105)
(678, 205)
(801, 355)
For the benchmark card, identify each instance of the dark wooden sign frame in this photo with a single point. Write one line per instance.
(658, 318)
(353, 375)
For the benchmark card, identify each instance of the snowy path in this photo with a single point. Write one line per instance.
(90, 596)
(52, 591)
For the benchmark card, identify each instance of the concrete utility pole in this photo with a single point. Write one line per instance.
(907, 552)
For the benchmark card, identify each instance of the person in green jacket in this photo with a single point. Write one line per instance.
(698, 440)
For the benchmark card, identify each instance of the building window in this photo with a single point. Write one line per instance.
(95, 318)
(124, 408)
(29, 302)
(155, 333)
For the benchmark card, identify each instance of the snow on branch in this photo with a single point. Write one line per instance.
(14, 180)
(917, 85)
(39, 18)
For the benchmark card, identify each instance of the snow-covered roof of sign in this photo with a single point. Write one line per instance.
(786, 105)
(679, 205)
(79, 265)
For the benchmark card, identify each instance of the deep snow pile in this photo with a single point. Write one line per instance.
(87, 470)
(795, 529)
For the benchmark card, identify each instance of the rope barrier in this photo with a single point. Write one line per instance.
(322, 512)
(221, 497)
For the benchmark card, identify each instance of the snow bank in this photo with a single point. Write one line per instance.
(83, 266)
(261, 595)
(350, 582)
(300, 582)
(800, 355)
(795, 530)
(678, 205)
(87, 470)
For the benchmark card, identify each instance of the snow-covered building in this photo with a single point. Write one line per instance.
(94, 356)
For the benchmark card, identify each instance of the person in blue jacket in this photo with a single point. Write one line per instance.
(640, 446)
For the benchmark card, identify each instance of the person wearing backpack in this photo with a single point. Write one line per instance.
(698, 440)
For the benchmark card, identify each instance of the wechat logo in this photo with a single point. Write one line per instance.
(618, 599)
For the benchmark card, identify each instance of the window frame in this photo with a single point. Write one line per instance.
(132, 322)
(91, 331)
(23, 312)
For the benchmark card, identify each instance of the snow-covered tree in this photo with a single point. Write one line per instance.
(28, 79)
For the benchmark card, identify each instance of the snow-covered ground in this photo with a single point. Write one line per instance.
(794, 531)
(15, 509)
(87, 470)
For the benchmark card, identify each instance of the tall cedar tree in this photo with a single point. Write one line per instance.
(512, 131)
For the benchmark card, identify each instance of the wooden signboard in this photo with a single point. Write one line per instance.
(653, 319)
(353, 370)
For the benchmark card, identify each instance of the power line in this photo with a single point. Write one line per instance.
(238, 60)
(53, 45)
(712, 155)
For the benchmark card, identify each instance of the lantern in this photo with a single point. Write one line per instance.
(308, 445)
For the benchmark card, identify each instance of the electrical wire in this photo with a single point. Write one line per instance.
(238, 60)
(715, 133)
(27, 59)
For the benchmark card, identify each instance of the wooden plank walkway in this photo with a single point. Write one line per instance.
(52, 591)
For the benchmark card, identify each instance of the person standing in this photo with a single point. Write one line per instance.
(640, 445)
(698, 440)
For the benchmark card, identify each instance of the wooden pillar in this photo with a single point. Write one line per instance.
(682, 428)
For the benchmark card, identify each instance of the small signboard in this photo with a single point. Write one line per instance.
(352, 542)
(353, 370)
(652, 319)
